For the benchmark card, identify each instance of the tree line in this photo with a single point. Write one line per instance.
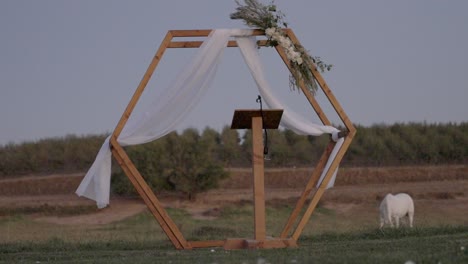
(398, 144)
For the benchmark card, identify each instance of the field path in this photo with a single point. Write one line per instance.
(436, 193)
(117, 211)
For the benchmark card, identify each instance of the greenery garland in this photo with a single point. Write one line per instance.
(270, 20)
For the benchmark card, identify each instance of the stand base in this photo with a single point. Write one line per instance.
(244, 243)
(239, 243)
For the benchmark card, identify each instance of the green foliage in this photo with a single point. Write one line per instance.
(270, 20)
(191, 168)
(67, 154)
(409, 144)
(193, 162)
(184, 163)
(257, 15)
(229, 150)
(280, 152)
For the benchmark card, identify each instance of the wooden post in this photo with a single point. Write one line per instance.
(258, 178)
(257, 120)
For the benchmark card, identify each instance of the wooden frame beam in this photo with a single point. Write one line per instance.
(197, 44)
(260, 240)
(152, 202)
(316, 197)
(323, 160)
(141, 87)
(307, 190)
(328, 93)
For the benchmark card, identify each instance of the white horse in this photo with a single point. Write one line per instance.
(394, 207)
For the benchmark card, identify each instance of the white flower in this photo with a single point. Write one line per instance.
(296, 55)
(282, 41)
(276, 35)
(285, 42)
(270, 31)
(299, 61)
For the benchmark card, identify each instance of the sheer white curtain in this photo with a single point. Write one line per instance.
(175, 103)
(161, 116)
(290, 119)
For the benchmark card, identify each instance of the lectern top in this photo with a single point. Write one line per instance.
(243, 118)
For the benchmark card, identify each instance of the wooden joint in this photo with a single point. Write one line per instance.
(341, 134)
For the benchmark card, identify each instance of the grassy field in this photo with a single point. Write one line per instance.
(420, 245)
(140, 240)
(41, 221)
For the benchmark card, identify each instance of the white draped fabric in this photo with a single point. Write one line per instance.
(168, 110)
(290, 119)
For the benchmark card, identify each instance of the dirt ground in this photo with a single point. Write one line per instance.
(447, 198)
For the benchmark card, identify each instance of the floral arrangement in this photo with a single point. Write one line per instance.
(269, 19)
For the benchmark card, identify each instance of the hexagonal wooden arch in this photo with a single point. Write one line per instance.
(286, 238)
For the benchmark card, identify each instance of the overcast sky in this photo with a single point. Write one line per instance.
(70, 67)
